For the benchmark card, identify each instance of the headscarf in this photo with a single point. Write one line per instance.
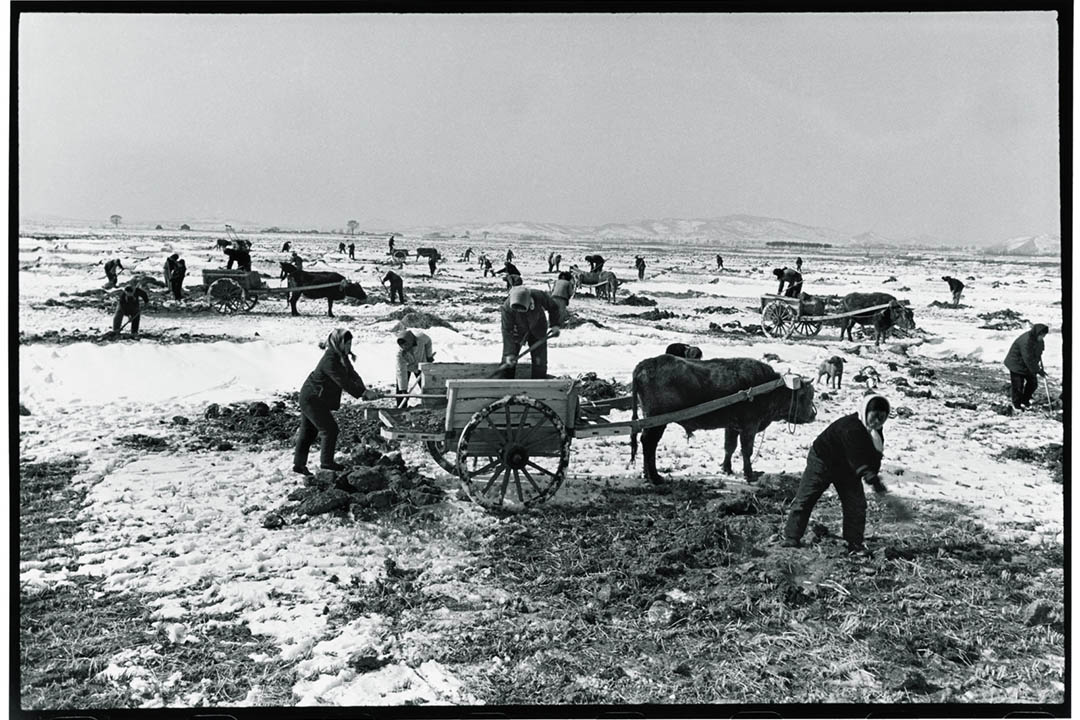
(875, 435)
(408, 337)
(521, 296)
(336, 342)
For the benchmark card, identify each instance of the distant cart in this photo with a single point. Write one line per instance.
(233, 291)
(509, 440)
(783, 316)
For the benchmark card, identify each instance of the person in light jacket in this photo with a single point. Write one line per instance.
(414, 347)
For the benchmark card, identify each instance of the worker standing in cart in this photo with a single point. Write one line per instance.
(530, 317)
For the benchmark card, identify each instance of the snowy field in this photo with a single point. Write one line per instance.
(177, 527)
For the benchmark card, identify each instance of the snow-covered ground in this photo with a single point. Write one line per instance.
(200, 510)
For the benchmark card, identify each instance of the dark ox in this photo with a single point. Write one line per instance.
(301, 278)
(881, 320)
(689, 352)
(667, 383)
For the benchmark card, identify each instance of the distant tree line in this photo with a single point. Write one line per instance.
(792, 243)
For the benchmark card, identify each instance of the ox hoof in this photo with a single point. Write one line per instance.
(753, 475)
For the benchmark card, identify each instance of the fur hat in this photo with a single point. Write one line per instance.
(520, 298)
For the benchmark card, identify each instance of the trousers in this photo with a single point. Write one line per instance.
(816, 478)
(1023, 387)
(315, 418)
(118, 320)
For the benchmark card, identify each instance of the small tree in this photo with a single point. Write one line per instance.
(352, 227)
(159, 228)
(115, 219)
(185, 226)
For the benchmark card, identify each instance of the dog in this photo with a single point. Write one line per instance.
(833, 369)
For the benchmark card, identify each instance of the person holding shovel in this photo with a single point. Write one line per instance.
(321, 393)
(414, 347)
(527, 316)
(561, 292)
(846, 454)
(1024, 361)
(128, 306)
(112, 269)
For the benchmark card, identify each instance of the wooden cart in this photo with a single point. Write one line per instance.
(509, 440)
(783, 316)
(232, 291)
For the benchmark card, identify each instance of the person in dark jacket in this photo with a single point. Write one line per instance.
(390, 242)
(513, 275)
(1024, 361)
(798, 264)
(285, 246)
(320, 394)
(397, 286)
(352, 251)
(561, 292)
(558, 261)
(719, 261)
(528, 316)
(639, 263)
(792, 277)
(341, 248)
(433, 264)
(551, 261)
(509, 255)
(175, 270)
(112, 269)
(846, 454)
(241, 256)
(955, 287)
(128, 306)
(596, 262)
(486, 262)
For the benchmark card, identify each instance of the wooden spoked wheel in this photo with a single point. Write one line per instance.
(777, 318)
(226, 296)
(522, 448)
(443, 455)
(249, 304)
(808, 327)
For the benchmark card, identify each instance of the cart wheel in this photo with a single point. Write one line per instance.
(527, 448)
(439, 452)
(225, 295)
(777, 318)
(806, 327)
(252, 300)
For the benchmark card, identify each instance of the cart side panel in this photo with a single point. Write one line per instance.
(472, 395)
(435, 376)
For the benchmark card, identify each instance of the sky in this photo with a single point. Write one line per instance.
(903, 124)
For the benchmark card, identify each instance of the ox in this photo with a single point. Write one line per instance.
(881, 320)
(605, 283)
(666, 383)
(690, 352)
(301, 278)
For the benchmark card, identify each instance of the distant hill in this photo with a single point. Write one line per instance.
(1029, 245)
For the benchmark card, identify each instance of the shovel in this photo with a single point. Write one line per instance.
(521, 354)
(1049, 402)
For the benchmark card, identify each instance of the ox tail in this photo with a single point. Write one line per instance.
(633, 419)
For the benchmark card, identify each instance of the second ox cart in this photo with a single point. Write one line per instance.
(509, 440)
(783, 316)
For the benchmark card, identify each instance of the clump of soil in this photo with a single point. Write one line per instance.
(409, 317)
(718, 309)
(735, 327)
(105, 336)
(223, 427)
(1050, 455)
(1006, 319)
(577, 321)
(653, 314)
(144, 442)
(637, 300)
(594, 388)
(947, 305)
(373, 481)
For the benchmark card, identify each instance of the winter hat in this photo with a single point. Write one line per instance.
(520, 298)
(879, 403)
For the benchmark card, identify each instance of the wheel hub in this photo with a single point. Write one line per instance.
(516, 456)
